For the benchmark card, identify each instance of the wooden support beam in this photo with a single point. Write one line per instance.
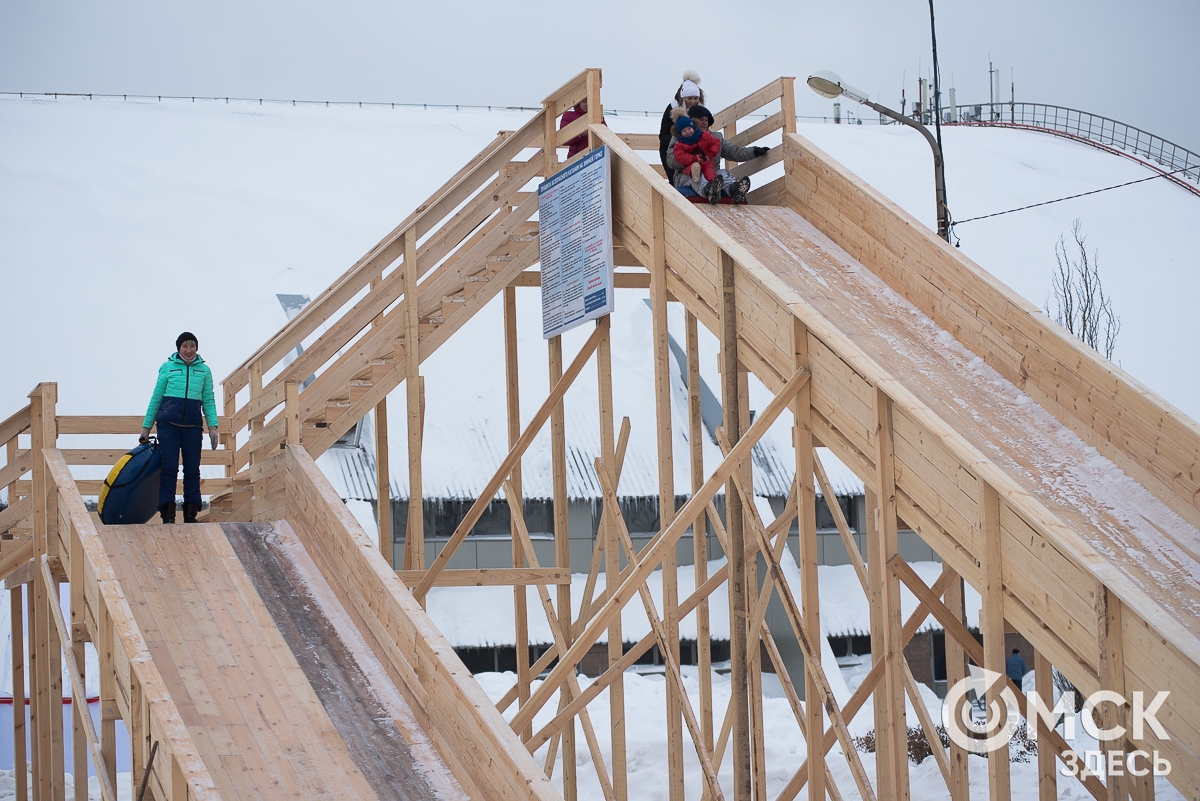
(612, 567)
(810, 647)
(991, 622)
(493, 485)
(414, 532)
(666, 482)
(651, 555)
(802, 441)
(740, 705)
(490, 577)
(558, 621)
(891, 734)
(674, 675)
(383, 474)
(699, 526)
(1043, 675)
(956, 671)
(17, 623)
(1111, 660)
(90, 741)
(516, 500)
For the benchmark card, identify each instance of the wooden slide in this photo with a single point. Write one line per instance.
(279, 696)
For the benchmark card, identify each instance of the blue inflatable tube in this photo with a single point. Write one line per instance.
(130, 493)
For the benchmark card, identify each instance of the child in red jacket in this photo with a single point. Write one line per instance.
(695, 149)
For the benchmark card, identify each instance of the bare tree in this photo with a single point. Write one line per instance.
(1083, 308)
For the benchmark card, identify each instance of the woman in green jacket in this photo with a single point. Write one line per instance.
(182, 402)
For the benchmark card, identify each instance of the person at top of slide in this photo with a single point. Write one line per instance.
(579, 143)
(181, 403)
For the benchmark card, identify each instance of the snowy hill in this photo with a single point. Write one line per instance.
(122, 221)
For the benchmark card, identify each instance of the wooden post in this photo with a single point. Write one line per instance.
(562, 546)
(802, 439)
(109, 713)
(992, 623)
(956, 671)
(79, 635)
(515, 498)
(549, 151)
(256, 386)
(890, 729)
(666, 484)
(17, 622)
(291, 411)
(738, 607)
(754, 696)
(699, 528)
(230, 439)
(46, 711)
(383, 473)
(414, 536)
(1111, 661)
(1043, 676)
(787, 104)
(595, 109)
(612, 565)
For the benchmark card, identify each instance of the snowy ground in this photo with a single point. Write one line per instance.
(785, 747)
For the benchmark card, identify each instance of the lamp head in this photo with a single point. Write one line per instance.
(825, 83)
(829, 84)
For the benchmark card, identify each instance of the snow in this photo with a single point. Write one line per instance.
(122, 223)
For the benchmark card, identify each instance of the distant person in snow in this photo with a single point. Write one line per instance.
(182, 402)
(723, 183)
(687, 95)
(1014, 666)
(579, 143)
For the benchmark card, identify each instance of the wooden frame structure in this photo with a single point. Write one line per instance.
(1034, 559)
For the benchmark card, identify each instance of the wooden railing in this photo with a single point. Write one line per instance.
(64, 547)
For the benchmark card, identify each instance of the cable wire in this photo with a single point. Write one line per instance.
(1072, 197)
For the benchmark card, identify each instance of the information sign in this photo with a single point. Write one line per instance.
(575, 224)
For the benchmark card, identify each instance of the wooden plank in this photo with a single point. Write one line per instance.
(758, 130)
(956, 671)
(18, 465)
(622, 280)
(16, 423)
(110, 456)
(15, 513)
(991, 623)
(490, 577)
(699, 527)
(752, 102)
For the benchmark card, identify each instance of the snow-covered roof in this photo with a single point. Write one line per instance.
(466, 424)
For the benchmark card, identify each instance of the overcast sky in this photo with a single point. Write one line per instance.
(1136, 62)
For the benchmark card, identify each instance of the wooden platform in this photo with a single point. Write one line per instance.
(1141, 536)
(273, 697)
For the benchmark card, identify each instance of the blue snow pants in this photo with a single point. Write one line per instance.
(171, 440)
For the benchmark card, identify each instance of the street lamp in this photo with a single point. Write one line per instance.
(828, 84)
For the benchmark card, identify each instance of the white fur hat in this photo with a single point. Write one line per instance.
(691, 75)
(689, 89)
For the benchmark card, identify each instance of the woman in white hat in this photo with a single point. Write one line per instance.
(689, 94)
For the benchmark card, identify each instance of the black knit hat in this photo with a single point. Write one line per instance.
(184, 337)
(696, 112)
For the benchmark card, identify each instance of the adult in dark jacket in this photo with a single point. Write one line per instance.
(728, 186)
(182, 402)
(579, 143)
(1014, 666)
(687, 95)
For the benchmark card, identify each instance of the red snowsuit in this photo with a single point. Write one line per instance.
(703, 151)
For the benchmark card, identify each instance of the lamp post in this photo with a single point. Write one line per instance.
(828, 84)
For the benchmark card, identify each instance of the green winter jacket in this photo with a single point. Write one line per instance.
(182, 389)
